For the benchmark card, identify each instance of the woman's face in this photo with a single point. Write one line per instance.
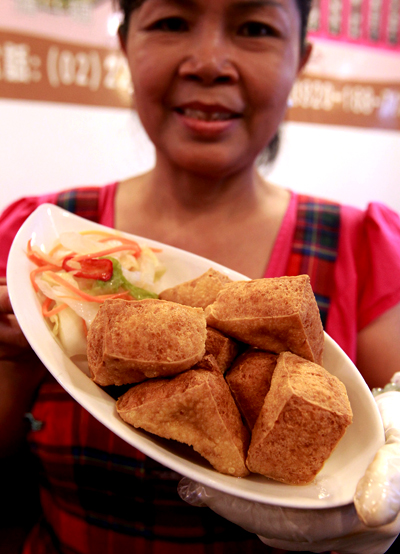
(211, 78)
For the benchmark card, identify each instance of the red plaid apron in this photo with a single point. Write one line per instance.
(315, 247)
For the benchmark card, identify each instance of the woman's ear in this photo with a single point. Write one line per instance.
(305, 56)
(122, 38)
(122, 34)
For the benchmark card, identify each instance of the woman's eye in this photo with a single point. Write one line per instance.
(257, 29)
(171, 25)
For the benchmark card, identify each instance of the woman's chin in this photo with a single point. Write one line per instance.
(211, 165)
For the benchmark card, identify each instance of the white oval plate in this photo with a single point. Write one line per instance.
(334, 485)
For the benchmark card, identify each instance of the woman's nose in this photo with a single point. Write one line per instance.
(208, 61)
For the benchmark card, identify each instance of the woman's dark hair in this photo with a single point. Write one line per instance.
(128, 6)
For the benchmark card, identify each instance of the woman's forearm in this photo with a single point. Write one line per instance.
(19, 380)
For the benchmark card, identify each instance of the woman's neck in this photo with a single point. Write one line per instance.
(166, 187)
(233, 221)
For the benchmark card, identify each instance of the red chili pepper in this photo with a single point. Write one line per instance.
(91, 268)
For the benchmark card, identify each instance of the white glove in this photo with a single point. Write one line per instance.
(369, 526)
(377, 497)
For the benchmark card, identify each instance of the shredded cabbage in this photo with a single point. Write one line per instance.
(71, 332)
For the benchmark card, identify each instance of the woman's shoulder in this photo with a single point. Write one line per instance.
(23, 207)
(370, 249)
(13, 217)
(368, 238)
(374, 221)
(375, 217)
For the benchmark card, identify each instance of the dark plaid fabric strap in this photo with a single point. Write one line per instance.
(81, 201)
(315, 247)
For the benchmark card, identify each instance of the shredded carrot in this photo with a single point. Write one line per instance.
(124, 240)
(81, 294)
(56, 310)
(55, 248)
(124, 295)
(127, 241)
(68, 285)
(46, 304)
(38, 270)
(33, 256)
(48, 313)
(107, 251)
(38, 257)
(133, 243)
(98, 232)
(111, 236)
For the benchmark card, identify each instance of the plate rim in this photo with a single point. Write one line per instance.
(150, 446)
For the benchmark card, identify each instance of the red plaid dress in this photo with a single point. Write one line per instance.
(102, 496)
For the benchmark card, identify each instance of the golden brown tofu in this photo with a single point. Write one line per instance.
(223, 348)
(276, 315)
(249, 380)
(195, 408)
(130, 341)
(305, 414)
(199, 292)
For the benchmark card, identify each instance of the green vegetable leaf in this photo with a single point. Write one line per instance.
(118, 282)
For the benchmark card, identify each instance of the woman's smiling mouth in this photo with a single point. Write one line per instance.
(207, 115)
(207, 119)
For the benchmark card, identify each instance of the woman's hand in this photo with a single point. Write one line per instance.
(334, 529)
(20, 375)
(12, 340)
(369, 526)
(377, 497)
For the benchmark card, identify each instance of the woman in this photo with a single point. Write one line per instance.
(211, 82)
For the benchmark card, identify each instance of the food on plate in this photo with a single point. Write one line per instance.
(223, 348)
(304, 415)
(81, 271)
(249, 379)
(278, 314)
(199, 292)
(226, 367)
(130, 341)
(195, 408)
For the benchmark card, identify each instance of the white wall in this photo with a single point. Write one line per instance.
(352, 165)
(46, 147)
